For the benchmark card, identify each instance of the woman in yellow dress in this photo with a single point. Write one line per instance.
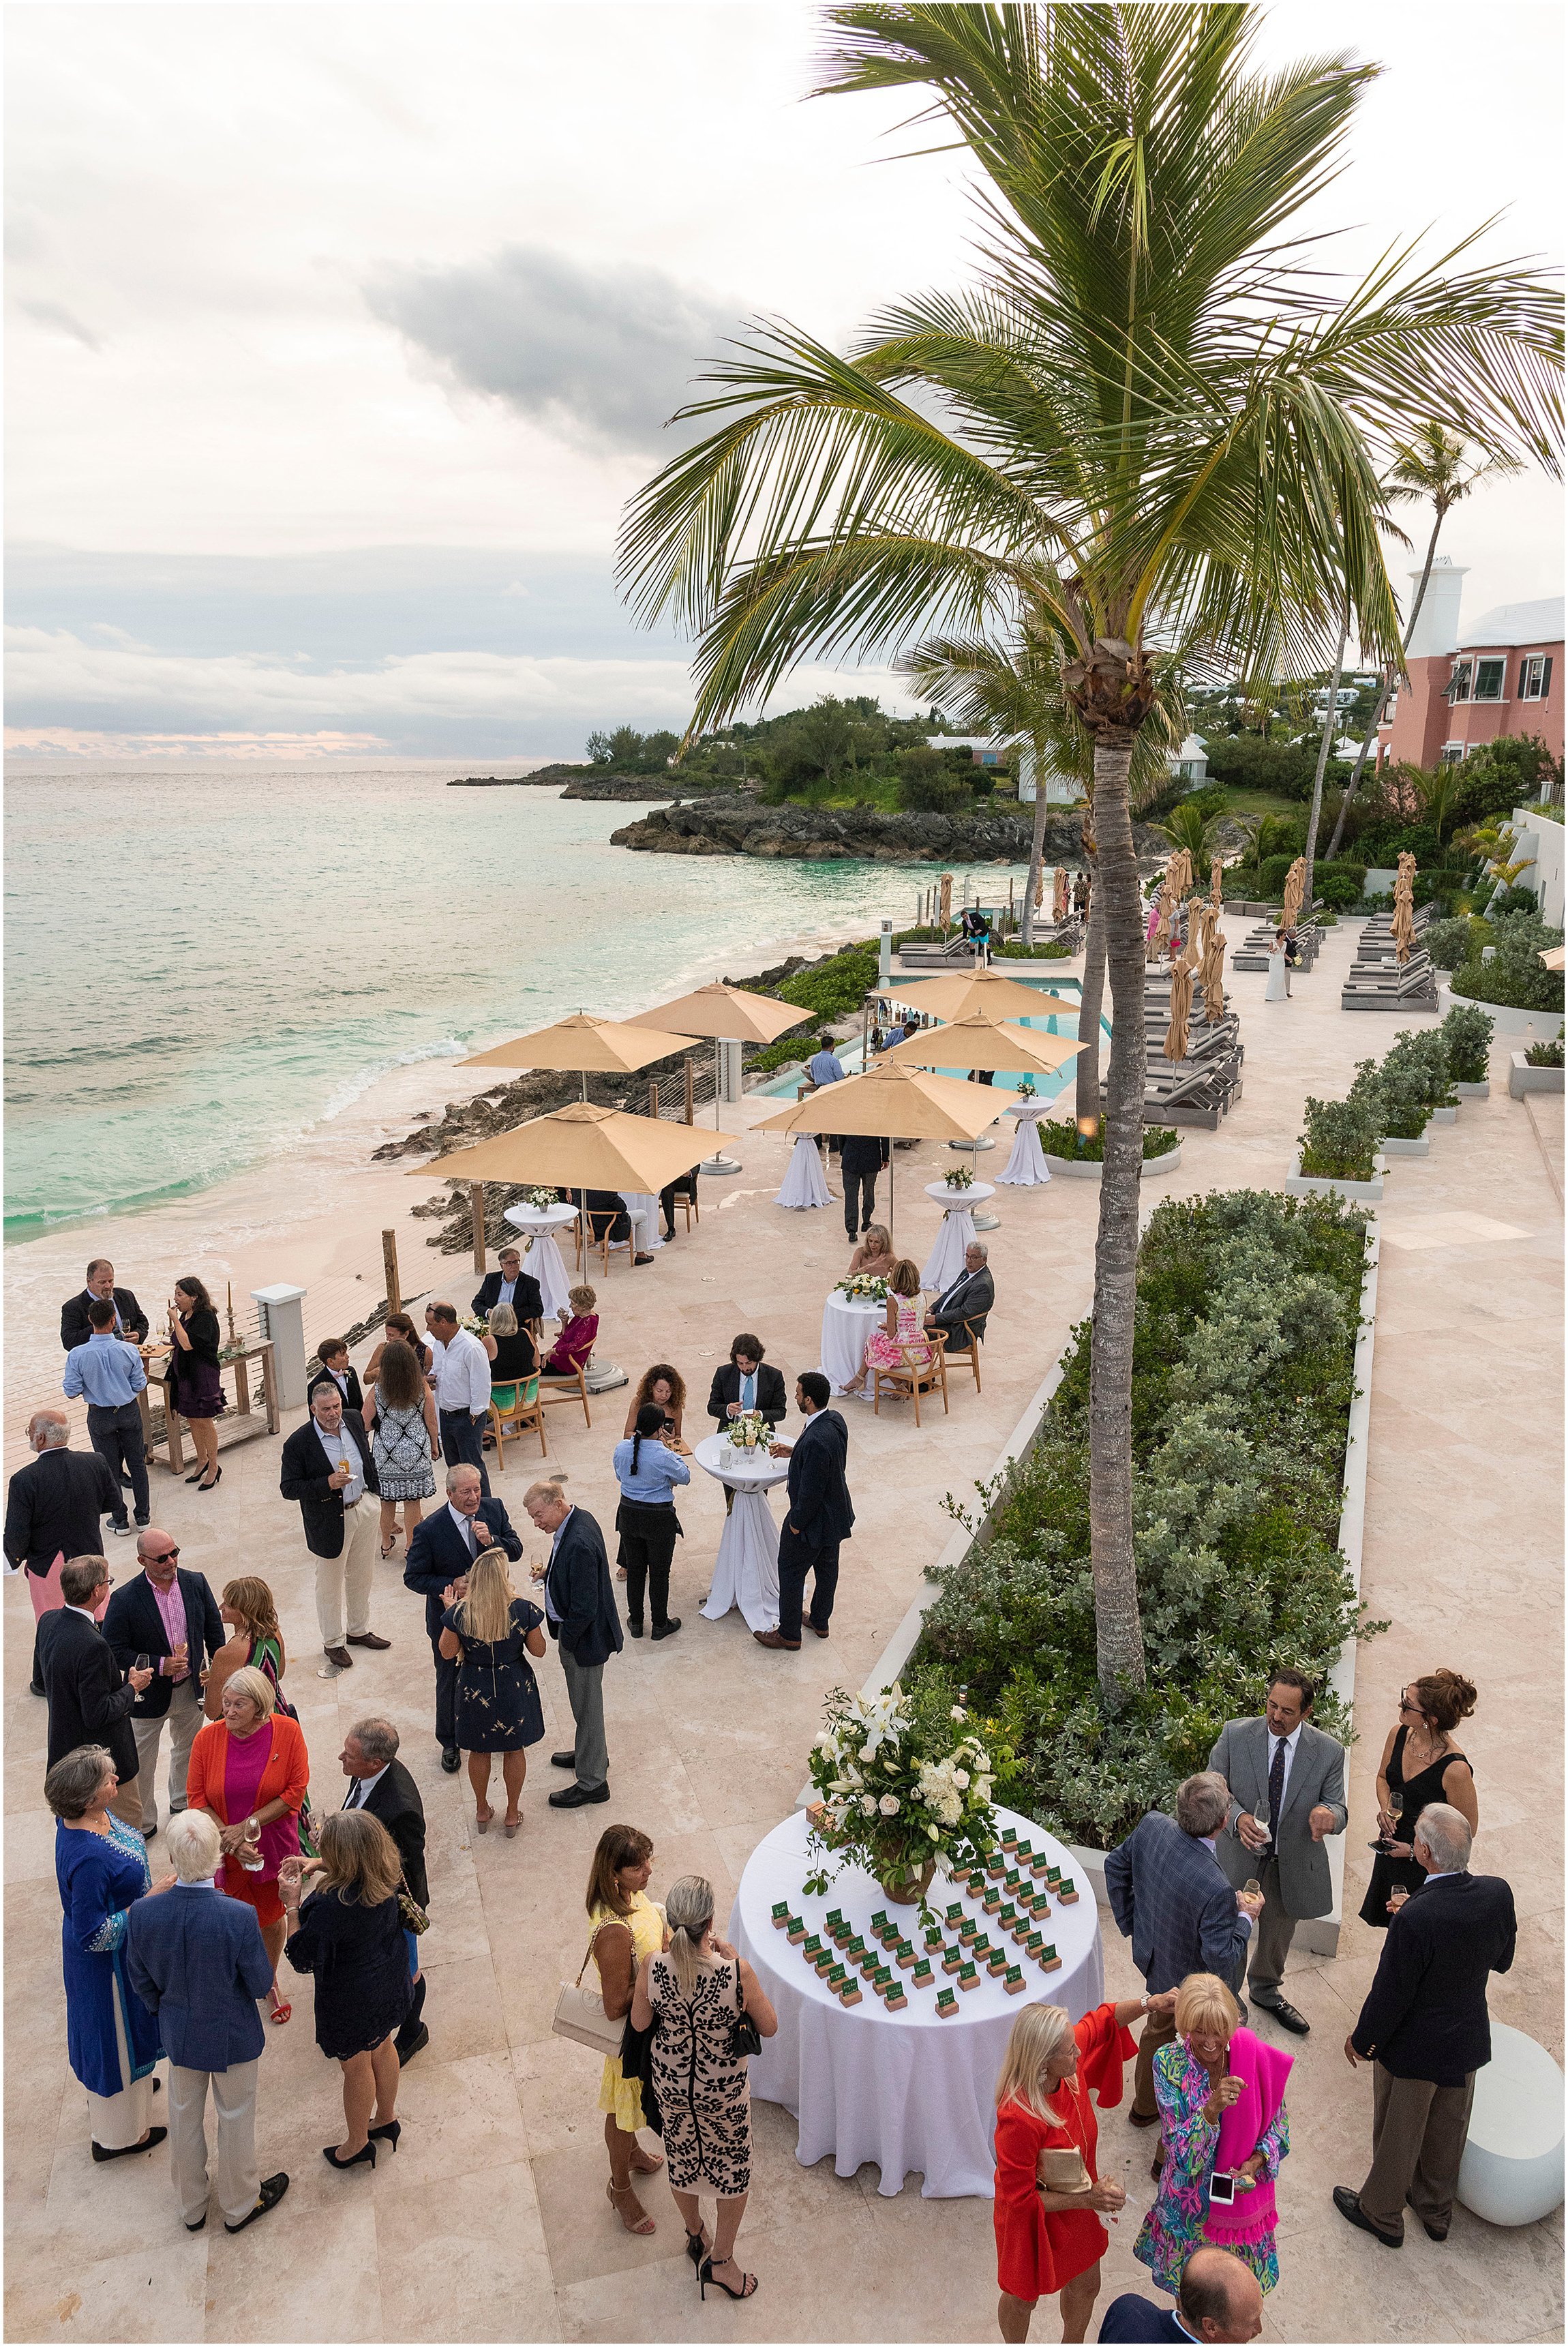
(625, 1926)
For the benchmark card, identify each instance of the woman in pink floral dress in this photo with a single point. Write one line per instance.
(884, 1347)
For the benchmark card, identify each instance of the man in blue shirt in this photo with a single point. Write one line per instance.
(110, 1372)
(825, 1066)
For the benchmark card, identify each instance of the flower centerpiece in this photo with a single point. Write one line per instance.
(865, 1287)
(960, 1177)
(749, 1431)
(541, 1200)
(903, 1791)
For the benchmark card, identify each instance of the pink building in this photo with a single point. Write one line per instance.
(1501, 675)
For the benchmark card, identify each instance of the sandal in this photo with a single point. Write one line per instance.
(483, 1823)
(647, 2163)
(387, 1549)
(614, 2197)
(511, 1827)
(698, 2246)
(705, 2275)
(279, 2013)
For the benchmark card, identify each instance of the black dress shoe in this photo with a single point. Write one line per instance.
(635, 1629)
(155, 2136)
(563, 1759)
(1349, 2204)
(451, 1758)
(1287, 2016)
(578, 1797)
(417, 2044)
(35, 1689)
(1137, 2118)
(272, 2190)
(199, 2226)
(1432, 2232)
(666, 1629)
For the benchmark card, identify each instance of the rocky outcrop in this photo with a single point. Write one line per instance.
(737, 823)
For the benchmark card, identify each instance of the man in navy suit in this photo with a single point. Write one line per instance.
(511, 1285)
(442, 1548)
(198, 1962)
(818, 1518)
(171, 1617)
(581, 1615)
(1169, 1895)
(1425, 2031)
(1220, 2299)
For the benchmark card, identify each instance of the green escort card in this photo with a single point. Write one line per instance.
(882, 1978)
(796, 1932)
(1053, 1875)
(1022, 1928)
(781, 1914)
(835, 1976)
(1007, 1915)
(992, 1899)
(893, 1996)
(1012, 1979)
(1039, 1864)
(969, 1977)
(1010, 1836)
(903, 1954)
(956, 1914)
(980, 1949)
(834, 1922)
(811, 1950)
(997, 1960)
(1048, 1959)
(1067, 1892)
(1034, 1943)
(932, 1939)
(1021, 1853)
(968, 1929)
(849, 1993)
(996, 1864)
(952, 1958)
(855, 1948)
(922, 1975)
(879, 1923)
(1012, 1882)
(946, 2003)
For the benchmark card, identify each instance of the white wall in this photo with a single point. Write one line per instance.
(1546, 842)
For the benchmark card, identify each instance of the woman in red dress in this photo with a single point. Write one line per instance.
(1049, 2241)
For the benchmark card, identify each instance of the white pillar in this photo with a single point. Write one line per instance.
(283, 1321)
(884, 955)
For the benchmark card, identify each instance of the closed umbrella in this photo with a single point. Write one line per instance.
(899, 1103)
(1216, 889)
(728, 1014)
(945, 900)
(1404, 923)
(1059, 894)
(1180, 1006)
(1213, 968)
(1295, 889)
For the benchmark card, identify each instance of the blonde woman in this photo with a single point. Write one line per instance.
(901, 1339)
(624, 1926)
(349, 1933)
(1051, 2240)
(689, 1996)
(489, 1634)
(875, 1254)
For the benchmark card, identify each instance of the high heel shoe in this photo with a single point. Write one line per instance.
(512, 1827)
(387, 2134)
(697, 2247)
(644, 2224)
(483, 1824)
(217, 1479)
(329, 2153)
(197, 1477)
(705, 2275)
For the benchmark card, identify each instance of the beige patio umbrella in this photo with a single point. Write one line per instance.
(1212, 969)
(587, 1046)
(981, 1041)
(1216, 886)
(966, 992)
(1295, 889)
(726, 1014)
(1175, 1045)
(945, 900)
(1166, 905)
(1404, 922)
(1057, 895)
(1552, 958)
(901, 1103)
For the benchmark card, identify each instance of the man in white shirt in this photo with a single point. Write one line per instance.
(329, 1467)
(461, 1378)
(1286, 1782)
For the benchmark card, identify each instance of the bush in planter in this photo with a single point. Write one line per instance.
(1340, 1137)
(1010, 949)
(1466, 1039)
(1514, 977)
(1417, 1065)
(1452, 943)
(1060, 1139)
(1544, 1055)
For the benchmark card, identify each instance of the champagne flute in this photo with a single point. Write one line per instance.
(251, 1849)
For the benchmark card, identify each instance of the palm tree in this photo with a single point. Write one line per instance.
(1144, 422)
(1189, 827)
(1433, 465)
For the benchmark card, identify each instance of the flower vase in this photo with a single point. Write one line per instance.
(899, 1885)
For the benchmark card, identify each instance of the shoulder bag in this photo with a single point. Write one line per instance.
(745, 2035)
(579, 2012)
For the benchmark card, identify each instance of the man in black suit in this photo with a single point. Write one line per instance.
(442, 1548)
(329, 1468)
(55, 1504)
(581, 1615)
(379, 1782)
(1425, 2029)
(1220, 2300)
(746, 1382)
(861, 1158)
(130, 1320)
(90, 1703)
(511, 1285)
(968, 1298)
(684, 1185)
(819, 1517)
(332, 1355)
(139, 1622)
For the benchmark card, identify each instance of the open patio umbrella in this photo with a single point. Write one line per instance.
(902, 1104)
(587, 1046)
(981, 1041)
(726, 1014)
(967, 991)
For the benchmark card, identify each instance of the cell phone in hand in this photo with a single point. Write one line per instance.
(1222, 2190)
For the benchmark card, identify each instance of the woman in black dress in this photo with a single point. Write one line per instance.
(195, 1387)
(1421, 1763)
(490, 1633)
(514, 1356)
(349, 1933)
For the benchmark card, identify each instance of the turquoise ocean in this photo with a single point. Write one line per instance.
(205, 963)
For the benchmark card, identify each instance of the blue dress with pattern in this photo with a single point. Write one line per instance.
(101, 1875)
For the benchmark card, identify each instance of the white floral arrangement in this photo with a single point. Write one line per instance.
(905, 1797)
(541, 1200)
(865, 1287)
(749, 1431)
(961, 1178)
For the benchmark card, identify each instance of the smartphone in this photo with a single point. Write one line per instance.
(1222, 2190)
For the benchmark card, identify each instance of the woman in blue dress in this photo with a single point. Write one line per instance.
(101, 1867)
(490, 1634)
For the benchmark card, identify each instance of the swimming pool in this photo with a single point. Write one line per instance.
(784, 1087)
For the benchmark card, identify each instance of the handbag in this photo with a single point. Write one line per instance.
(745, 2035)
(579, 2012)
(415, 1918)
(1062, 2170)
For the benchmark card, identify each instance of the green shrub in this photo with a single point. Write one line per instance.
(1411, 1081)
(1451, 943)
(1061, 1138)
(1466, 1039)
(1271, 874)
(1010, 949)
(1515, 976)
(838, 988)
(1513, 900)
(1247, 1305)
(1246, 762)
(1544, 1055)
(1339, 1138)
(1339, 889)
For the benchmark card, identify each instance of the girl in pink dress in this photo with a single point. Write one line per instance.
(886, 1347)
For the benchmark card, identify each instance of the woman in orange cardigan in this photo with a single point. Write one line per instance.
(1051, 2240)
(250, 1770)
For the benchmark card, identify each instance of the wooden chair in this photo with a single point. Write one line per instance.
(514, 1408)
(569, 1384)
(916, 1378)
(969, 1358)
(685, 1197)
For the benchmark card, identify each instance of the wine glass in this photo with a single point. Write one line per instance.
(251, 1850)
(144, 1662)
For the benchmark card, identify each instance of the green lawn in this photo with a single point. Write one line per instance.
(1247, 802)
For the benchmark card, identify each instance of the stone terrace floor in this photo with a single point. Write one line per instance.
(490, 2223)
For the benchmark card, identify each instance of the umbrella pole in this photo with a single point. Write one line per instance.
(717, 1163)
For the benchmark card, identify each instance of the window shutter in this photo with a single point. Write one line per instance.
(1523, 677)
(1546, 677)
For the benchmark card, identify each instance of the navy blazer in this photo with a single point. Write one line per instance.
(353, 1399)
(1425, 2014)
(438, 1552)
(54, 1507)
(89, 1697)
(133, 1626)
(527, 1302)
(819, 1503)
(306, 1477)
(579, 1586)
(197, 1960)
(771, 1399)
(396, 1801)
(1169, 1897)
(76, 1325)
(1131, 2317)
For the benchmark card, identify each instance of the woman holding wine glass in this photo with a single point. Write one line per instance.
(195, 1385)
(250, 1771)
(1420, 1764)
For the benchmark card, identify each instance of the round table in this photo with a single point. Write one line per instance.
(542, 1260)
(846, 1323)
(644, 1203)
(904, 2089)
(946, 1259)
(1025, 1168)
(805, 1183)
(746, 1569)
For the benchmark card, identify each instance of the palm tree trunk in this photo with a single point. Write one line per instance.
(1119, 1633)
(1087, 1064)
(1389, 681)
(1330, 719)
(1037, 844)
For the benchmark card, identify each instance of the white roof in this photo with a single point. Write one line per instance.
(1516, 623)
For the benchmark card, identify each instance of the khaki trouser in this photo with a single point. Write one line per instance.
(1159, 2029)
(1419, 2133)
(182, 1718)
(234, 2099)
(349, 1574)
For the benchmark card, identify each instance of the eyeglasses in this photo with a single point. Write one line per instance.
(164, 1557)
(1406, 1704)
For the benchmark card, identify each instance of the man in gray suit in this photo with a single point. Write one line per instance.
(1286, 1782)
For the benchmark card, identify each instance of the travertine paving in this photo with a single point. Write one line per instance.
(490, 2222)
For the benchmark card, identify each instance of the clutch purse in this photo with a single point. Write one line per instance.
(579, 2015)
(745, 2037)
(1063, 2171)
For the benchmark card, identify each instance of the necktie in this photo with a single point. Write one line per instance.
(356, 1795)
(1275, 1786)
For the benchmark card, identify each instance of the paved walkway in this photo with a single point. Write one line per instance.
(490, 2221)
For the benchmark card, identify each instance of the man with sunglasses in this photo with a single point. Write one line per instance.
(171, 1616)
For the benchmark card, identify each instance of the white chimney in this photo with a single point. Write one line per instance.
(1437, 623)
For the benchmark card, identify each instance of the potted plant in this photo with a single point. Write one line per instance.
(903, 1791)
(1337, 1155)
(541, 1201)
(960, 1177)
(1467, 1039)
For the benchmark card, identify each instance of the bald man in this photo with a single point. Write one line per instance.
(1220, 2300)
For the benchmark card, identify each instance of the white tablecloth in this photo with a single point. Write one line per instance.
(946, 1259)
(746, 1569)
(904, 2089)
(846, 1326)
(642, 1206)
(805, 1183)
(1026, 1167)
(542, 1260)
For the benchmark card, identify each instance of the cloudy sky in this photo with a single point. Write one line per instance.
(339, 334)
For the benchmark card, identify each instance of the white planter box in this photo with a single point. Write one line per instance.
(1445, 1116)
(1299, 1184)
(1522, 1078)
(1531, 1026)
(1392, 1146)
(1080, 1169)
(1474, 1091)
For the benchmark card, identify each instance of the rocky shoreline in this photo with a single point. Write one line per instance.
(740, 824)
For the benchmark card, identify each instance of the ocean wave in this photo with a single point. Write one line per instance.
(357, 1085)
